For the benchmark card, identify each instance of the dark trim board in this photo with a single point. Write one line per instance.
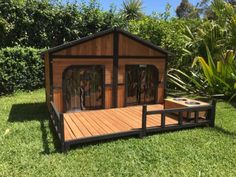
(105, 57)
(108, 85)
(83, 56)
(103, 137)
(165, 76)
(50, 76)
(119, 84)
(132, 133)
(141, 57)
(56, 88)
(115, 68)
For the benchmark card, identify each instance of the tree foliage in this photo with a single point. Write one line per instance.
(218, 76)
(132, 9)
(20, 69)
(44, 23)
(186, 10)
(214, 44)
(218, 35)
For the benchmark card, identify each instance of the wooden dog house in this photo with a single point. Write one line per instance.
(95, 87)
(110, 69)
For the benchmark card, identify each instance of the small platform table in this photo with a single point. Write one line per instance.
(171, 103)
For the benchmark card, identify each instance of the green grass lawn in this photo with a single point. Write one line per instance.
(29, 148)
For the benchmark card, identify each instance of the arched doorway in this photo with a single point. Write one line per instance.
(141, 84)
(83, 87)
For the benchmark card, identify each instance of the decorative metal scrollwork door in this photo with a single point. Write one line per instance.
(141, 84)
(83, 87)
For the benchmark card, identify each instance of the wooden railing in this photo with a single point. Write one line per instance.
(210, 117)
(58, 121)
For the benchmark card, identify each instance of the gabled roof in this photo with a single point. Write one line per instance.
(102, 33)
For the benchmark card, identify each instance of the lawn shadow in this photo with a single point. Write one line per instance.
(36, 112)
(226, 132)
(233, 104)
(28, 112)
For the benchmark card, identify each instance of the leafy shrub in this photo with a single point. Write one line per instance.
(215, 77)
(20, 69)
(47, 23)
(147, 28)
(174, 41)
(169, 34)
(220, 75)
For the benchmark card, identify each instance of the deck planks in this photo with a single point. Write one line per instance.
(85, 124)
(93, 123)
(73, 127)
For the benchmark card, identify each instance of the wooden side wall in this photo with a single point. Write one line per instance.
(59, 65)
(158, 63)
(47, 78)
(99, 46)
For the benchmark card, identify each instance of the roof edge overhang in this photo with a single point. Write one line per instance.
(77, 41)
(102, 33)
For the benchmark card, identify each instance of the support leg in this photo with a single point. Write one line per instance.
(142, 135)
(65, 147)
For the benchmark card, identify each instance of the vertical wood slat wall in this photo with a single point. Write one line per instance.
(129, 49)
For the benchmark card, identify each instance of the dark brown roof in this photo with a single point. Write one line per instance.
(102, 33)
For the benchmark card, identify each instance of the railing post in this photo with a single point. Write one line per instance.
(61, 118)
(188, 116)
(180, 118)
(144, 121)
(213, 112)
(196, 116)
(51, 111)
(163, 117)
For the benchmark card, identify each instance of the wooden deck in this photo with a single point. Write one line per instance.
(90, 126)
(80, 125)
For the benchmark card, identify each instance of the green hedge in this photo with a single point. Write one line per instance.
(20, 69)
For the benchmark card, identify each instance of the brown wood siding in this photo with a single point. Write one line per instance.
(47, 79)
(158, 63)
(59, 65)
(98, 46)
(130, 47)
(121, 96)
(108, 97)
(58, 99)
